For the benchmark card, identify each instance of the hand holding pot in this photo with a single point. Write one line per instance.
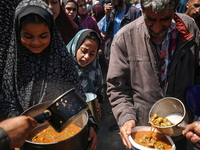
(192, 132)
(18, 129)
(93, 138)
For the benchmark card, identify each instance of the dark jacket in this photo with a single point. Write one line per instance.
(134, 78)
(4, 140)
(130, 15)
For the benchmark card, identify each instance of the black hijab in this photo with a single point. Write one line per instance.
(31, 78)
(66, 26)
(77, 18)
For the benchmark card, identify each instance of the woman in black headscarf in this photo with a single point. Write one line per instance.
(65, 25)
(38, 66)
(72, 12)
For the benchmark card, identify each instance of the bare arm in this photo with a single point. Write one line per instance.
(18, 129)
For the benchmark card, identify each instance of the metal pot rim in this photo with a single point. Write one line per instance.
(43, 144)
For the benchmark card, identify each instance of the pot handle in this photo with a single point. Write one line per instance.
(183, 124)
(43, 116)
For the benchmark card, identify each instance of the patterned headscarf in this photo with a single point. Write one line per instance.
(90, 75)
(7, 9)
(31, 78)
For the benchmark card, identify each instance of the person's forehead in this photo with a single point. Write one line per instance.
(71, 4)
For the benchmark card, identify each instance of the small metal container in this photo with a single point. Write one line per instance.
(92, 103)
(174, 110)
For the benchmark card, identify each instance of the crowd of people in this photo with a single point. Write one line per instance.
(132, 53)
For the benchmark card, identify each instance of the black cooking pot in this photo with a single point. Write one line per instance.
(63, 110)
(76, 142)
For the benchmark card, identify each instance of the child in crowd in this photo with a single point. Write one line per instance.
(71, 8)
(65, 25)
(87, 21)
(84, 49)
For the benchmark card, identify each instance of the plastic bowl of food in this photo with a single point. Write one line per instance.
(142, 133)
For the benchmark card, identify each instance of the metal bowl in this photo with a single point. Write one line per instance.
(172, 109)
(136, 146)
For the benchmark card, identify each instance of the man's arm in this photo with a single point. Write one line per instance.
(119, 89)
(118, 81)
(106, 20)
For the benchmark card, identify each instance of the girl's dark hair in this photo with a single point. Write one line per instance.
(93, 36)
(31, 18)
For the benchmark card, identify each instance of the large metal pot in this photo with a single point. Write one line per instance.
(77, 142)
(174, 110)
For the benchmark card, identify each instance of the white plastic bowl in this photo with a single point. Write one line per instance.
(136, 146)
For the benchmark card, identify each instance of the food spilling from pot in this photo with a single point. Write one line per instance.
(156, 120)
(168, 115)
(49, 135)
(152, 140)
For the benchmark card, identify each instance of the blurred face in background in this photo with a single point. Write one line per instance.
(71, 9)
(54, 5)
(88, 2)
(117, 4)
(82, 7)
(193, 7)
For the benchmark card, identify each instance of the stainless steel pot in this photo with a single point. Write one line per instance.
(77, 142)
(173, 109)
(92, 104)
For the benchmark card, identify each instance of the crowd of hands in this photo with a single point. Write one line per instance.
(19, 128)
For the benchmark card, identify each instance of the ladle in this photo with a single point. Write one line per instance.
(64, 110)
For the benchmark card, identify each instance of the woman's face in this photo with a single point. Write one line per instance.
(54, 5)
(86, 53)
(71, 9)
(35, 37)
(82, 7)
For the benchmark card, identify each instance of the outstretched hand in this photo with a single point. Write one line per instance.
(192, 132)
(18, 129)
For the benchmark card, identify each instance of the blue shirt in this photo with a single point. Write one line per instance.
(117, 22)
